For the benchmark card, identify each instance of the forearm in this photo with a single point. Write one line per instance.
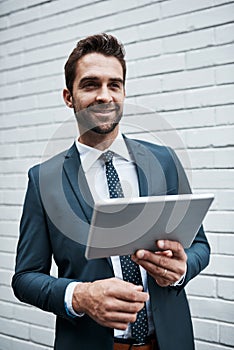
(41, 290)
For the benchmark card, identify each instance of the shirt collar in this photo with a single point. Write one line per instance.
(90, 155)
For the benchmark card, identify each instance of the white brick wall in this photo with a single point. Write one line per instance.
(181, 64)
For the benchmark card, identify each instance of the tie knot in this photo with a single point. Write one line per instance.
(107, 156)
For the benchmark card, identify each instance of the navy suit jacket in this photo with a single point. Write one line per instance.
(55, 222)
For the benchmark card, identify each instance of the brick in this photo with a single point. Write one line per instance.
(226, 288)
(202, 286)
(9, 228)
(15, 181)
(20, 345)
(224, 34)
(10, 343)
(227, 334)
(186, 42)
(162, 64)
(8, 245)
(188, 79)
(201, 158)
(213, 241)
(20, 104)
(144, 122)
(6, 310)
(163, 102)
(127, 35)
(224, 74)
(33, 87)
(23, 313)
(224, 199)
(19, 166)
(209, 96)
(42, 335)
(211, 17)
(220, 221)
(162, 28)
(189, 119)
(19, 17)
(9, 212)
(221, 265)
(7, 260)
(14, 328)
(151, 85)
(175, 7)
(205, 57)
(35, 71)
(219, 310)
(32, 149)
(226, 244)
(209, 137)
(11, 6)
(224, 158)
(6, 342)
(212, 179)
(6, 277)
(224, 115)
(206, 330)
(143, 49)
(209, 346)
(8, 151)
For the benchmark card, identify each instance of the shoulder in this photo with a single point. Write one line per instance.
(53, 165)
(159, 151)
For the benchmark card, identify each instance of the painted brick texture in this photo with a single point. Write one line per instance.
(180, 65)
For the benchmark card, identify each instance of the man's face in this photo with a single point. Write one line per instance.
(98, 93)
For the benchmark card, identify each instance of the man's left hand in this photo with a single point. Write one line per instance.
(167, 265)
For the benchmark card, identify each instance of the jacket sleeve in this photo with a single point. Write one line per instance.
(198, 255)
(32, 282)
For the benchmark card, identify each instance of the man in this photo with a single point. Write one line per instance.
(97, 306)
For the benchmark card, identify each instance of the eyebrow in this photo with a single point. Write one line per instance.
(88, 78)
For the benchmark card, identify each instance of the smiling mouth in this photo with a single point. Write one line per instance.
(103, 109)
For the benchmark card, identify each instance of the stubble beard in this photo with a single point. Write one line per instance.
(85, 120)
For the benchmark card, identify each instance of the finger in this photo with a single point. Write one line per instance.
(167, 253)
(124, 306)
(176, 248)
(157, 265)
(131, 293)
(159, 260)
(116, 321)
(162, 282)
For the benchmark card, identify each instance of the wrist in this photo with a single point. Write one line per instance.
(79, 297)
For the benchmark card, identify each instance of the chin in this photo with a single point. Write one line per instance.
(104, 129)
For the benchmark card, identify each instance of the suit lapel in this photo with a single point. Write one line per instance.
(151, 177)
(78, 182)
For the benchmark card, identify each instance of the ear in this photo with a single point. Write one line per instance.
(67, 98)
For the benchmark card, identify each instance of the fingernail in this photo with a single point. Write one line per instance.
(140, 254)
(161, 244)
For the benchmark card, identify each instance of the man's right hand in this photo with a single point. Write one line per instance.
(111, 302)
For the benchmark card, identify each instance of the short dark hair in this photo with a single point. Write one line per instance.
(105, 44)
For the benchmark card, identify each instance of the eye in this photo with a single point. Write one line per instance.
(90, 85)
(115, 85)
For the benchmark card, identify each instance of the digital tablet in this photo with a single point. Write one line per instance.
(123, 225)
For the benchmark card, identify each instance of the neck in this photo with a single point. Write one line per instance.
(98, 141)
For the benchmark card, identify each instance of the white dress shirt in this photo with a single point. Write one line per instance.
(94, 169)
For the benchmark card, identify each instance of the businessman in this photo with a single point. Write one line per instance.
(126, 302)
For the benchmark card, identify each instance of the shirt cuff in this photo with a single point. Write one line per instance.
(180, 281)
(68, 300)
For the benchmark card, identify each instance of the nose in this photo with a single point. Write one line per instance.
(104, 95)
